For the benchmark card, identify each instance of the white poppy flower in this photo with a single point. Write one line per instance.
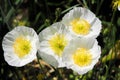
(81, 54)
(20, 46)
(82, 22)
(53, 40)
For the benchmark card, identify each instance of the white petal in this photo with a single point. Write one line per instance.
(119, 7)
(96, 27)
(57, 27)
(7, 44)
(82, 70)
(44, 48)
(77, 43)
(86, 14)
(95, 51)
(48, 58)
(89, 43)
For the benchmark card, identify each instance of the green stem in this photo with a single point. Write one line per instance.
(69, 8)
(42, 70)
(113, 16)
(106, 74)
(39, 63)
(99, 6)
(40, 66)
(58, 72)
(85, 3)
(4, 18)
(113, 28)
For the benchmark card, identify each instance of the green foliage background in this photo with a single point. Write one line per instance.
(39, 14)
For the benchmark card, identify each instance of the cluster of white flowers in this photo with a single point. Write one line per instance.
(69, 43)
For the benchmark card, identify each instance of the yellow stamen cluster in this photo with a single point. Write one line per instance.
(21, 46)
(57, 43)
(115, 4)
(80, 26)
(82, 57)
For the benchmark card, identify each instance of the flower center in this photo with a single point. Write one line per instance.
(82, 57)
(57, 43)
(80, 26)
(21, 46)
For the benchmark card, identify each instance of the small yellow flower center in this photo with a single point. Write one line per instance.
(115, 3)
(21, 46)
(82, 57)
(80, 26)
(57, 43)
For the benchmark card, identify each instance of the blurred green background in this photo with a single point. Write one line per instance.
(39, 14)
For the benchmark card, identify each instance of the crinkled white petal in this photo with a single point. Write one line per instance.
(95, 50)
(57, 27)
(91, 44)
(48, 58)
(44, 48)
(10, 57)
(80, 70)
(119, 7)
(86, 14)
